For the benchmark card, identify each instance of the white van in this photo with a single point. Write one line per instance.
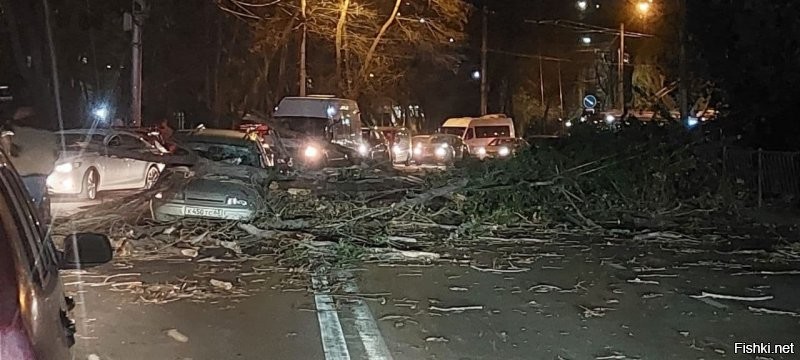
(324, 117)
(479, 131)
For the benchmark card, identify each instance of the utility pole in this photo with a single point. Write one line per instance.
(138, 12)
(621, 68)
(541, 89)
(484, 53)
(683, 84)
(303, 74)
(560, 92)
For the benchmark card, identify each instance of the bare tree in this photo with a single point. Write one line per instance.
(373, 43)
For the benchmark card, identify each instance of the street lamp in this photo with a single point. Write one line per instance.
(476, 75)
(582, 5)
(644, 7)
(586, 40)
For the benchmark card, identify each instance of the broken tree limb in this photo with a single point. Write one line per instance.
(768, 272)
(772, 311)
(456, 309)
(499, 271)
(706, 294)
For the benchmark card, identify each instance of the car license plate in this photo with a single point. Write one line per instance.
(203, 212)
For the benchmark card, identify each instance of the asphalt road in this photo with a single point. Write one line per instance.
(566, 300)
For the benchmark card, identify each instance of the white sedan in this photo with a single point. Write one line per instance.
(85, 168)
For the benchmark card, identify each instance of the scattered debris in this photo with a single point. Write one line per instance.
(439, 339)
(594, 312)
(713, 303)
(651, 295)
(456, 309)
(637, 280)
(177, 335)
(766, 272)
(773, 312)
(500, 271)
(189, 252)
(705, 294)
(221, 284)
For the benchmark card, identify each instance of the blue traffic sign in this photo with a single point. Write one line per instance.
(589, 101)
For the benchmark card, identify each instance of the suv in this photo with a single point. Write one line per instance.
(34, 322)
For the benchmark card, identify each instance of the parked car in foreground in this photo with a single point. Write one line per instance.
(501, 148)
(85, 167)
(224, 194)
(443, 149)
(34, 310)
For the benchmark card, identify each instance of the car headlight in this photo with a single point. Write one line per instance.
(481, 151)
(504, 151)
(362, 149)
(311, 151)
(67, 167)
(441, 151)
(236, 201)
(159, 195)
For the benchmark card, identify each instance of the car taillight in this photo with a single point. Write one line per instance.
(14, 342)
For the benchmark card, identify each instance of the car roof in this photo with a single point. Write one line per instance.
(96, 131)
(219, 136)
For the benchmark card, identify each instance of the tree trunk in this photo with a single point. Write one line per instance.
(344, 6)
(377, 40)
(282, 85)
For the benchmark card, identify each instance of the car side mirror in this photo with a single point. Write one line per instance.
(83, 250)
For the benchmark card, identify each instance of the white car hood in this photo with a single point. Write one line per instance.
(71, 155)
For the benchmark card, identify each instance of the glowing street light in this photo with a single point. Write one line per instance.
(476, 75)
(644, 7)
(586, 40)
(101, 113)
(582, 5)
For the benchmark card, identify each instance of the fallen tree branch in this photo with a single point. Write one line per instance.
(705, 294)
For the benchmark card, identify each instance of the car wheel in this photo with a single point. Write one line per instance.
(89, 185)
(151, 177)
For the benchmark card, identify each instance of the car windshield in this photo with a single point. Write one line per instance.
(484, 132)
(309, 126)
(441, 139)
(498, 142)
(231, 154)
(76, 141)
(457, 131)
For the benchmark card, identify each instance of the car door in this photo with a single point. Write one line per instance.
(49, 327)
(135, 170)
(114, 167)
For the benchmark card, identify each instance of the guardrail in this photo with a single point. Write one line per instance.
(770, 173)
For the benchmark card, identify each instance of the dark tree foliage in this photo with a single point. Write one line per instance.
(752, 49)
